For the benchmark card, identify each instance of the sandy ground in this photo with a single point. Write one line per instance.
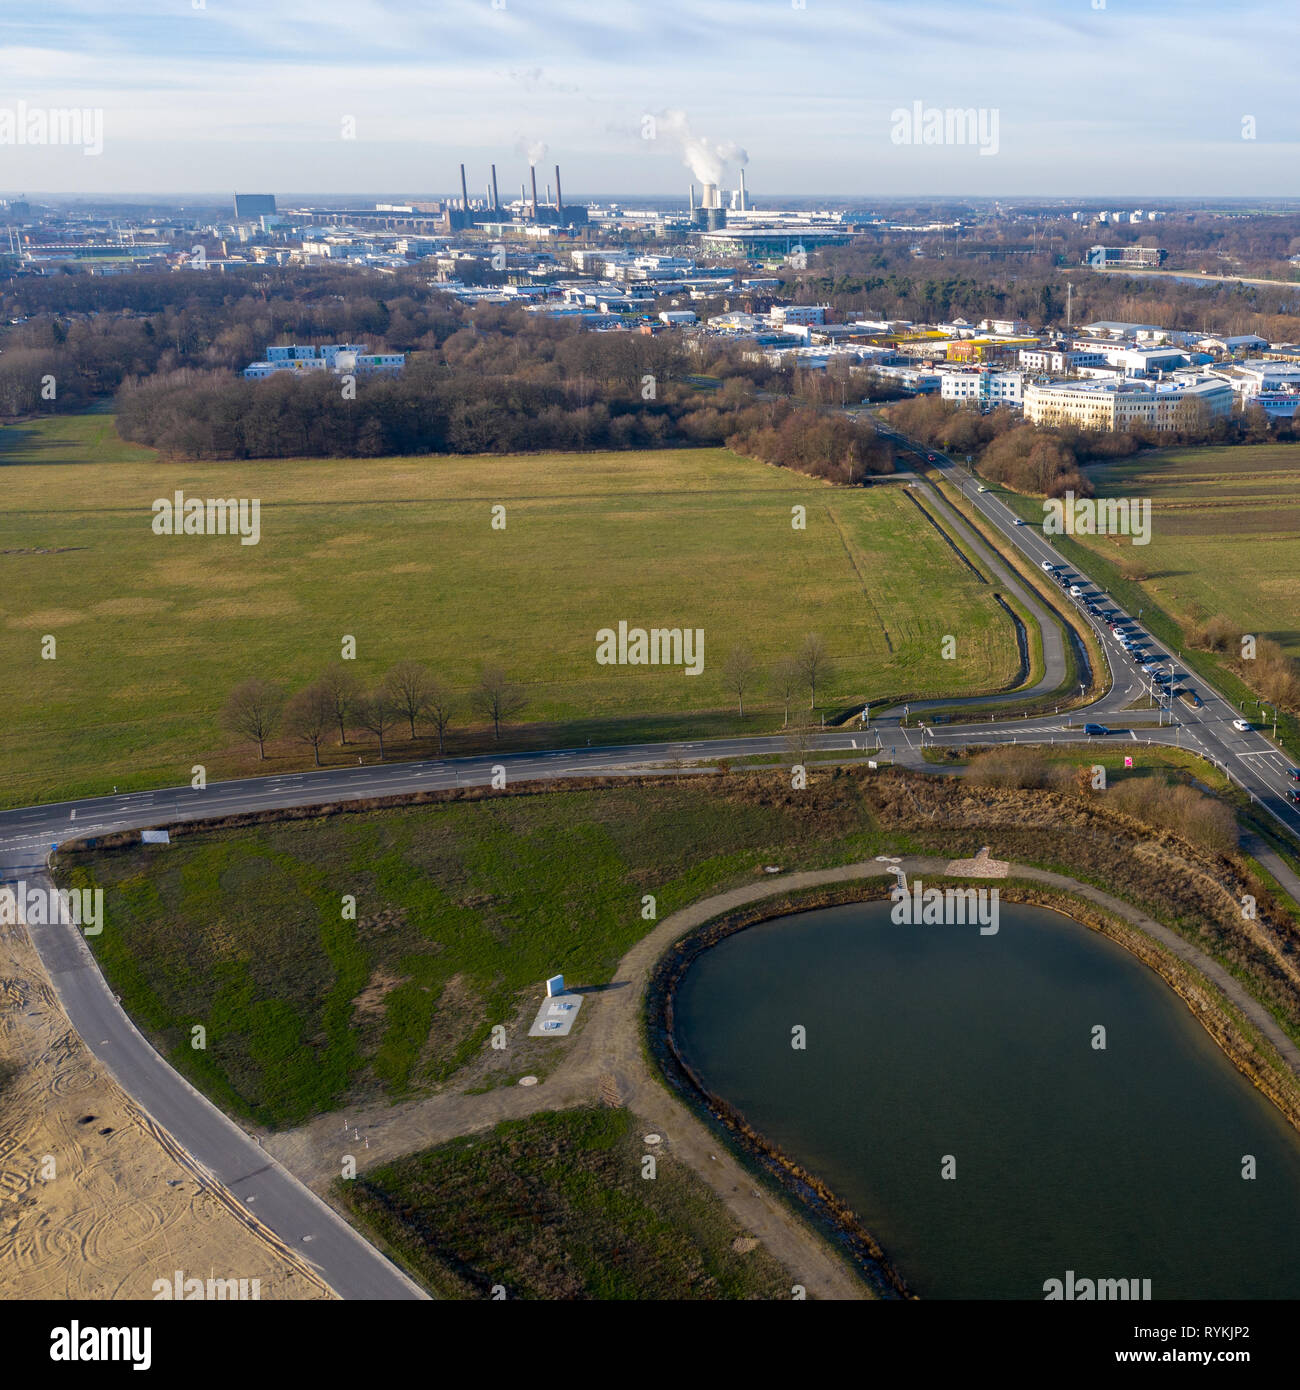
(122, 1209)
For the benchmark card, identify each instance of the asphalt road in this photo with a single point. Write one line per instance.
(222, 1150)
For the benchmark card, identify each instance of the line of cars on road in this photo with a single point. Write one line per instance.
(1128, 636)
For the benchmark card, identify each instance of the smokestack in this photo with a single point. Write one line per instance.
(548, 195)
(532, 174)
(496, 202)
(744, 207)
(692, 187)
(464, 191)
(559, 200)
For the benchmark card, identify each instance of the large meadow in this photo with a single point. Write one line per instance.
(152, 631)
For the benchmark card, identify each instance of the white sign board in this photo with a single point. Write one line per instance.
(554, 986)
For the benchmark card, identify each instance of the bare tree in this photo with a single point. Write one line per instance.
(410, 685)
(377, 713)
(309, 716)
(345, 692)
(496, 699)
(799, 741)
(440, 708)
(253, 711)
(814, 666)
(786, 679)
(739, 673)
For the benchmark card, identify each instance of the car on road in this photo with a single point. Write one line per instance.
(1293, 773)
(1075, 591)
(1049, 567)
(931, 458)
(1020, 521)
(1293, 794)
(1094, 729)
(981, 488)
(1241, 725)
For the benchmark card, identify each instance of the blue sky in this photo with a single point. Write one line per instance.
(1129, 97)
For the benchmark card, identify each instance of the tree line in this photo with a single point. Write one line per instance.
(338, 702)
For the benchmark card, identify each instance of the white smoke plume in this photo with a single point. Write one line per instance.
(706, 159)
(532, 150)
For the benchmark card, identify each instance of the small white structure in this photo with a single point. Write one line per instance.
(554, 986)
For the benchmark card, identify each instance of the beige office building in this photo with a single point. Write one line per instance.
(1108, 405)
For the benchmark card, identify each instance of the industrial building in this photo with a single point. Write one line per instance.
(1146, 257)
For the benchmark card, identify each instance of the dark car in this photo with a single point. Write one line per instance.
(1294, 773)
(1293, 795)
(1095, 729)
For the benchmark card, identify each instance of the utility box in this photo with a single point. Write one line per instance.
(554, 986)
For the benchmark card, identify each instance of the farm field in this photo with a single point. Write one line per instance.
(152, 631)
(554, 1207)
(462, 909)
(1225, 534)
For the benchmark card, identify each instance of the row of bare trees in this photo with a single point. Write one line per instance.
(409, 694)
(808, 668)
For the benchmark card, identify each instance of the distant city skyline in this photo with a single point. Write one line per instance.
(1139, 98)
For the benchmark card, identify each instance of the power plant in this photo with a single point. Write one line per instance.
(463, 215)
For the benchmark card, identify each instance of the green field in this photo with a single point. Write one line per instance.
(153, 631)
(555, 1207)
(461, 910)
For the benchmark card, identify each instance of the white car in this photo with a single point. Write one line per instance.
(1241, 725)
(1020, 521)
(981, 489)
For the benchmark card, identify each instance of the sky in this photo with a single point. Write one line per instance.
(1079, 97)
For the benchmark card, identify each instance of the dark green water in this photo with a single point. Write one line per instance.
(925, 1041)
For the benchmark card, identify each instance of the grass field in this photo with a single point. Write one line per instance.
(461, 911)
(153, 631)
(555, 1207)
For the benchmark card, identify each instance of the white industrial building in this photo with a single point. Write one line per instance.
(985, 386)
(330, 357)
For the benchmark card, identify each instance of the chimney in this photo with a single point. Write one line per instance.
(496, 202)
(692, 187)
(532, 174)
(744, 207)
(464, 191)
(559, 198)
